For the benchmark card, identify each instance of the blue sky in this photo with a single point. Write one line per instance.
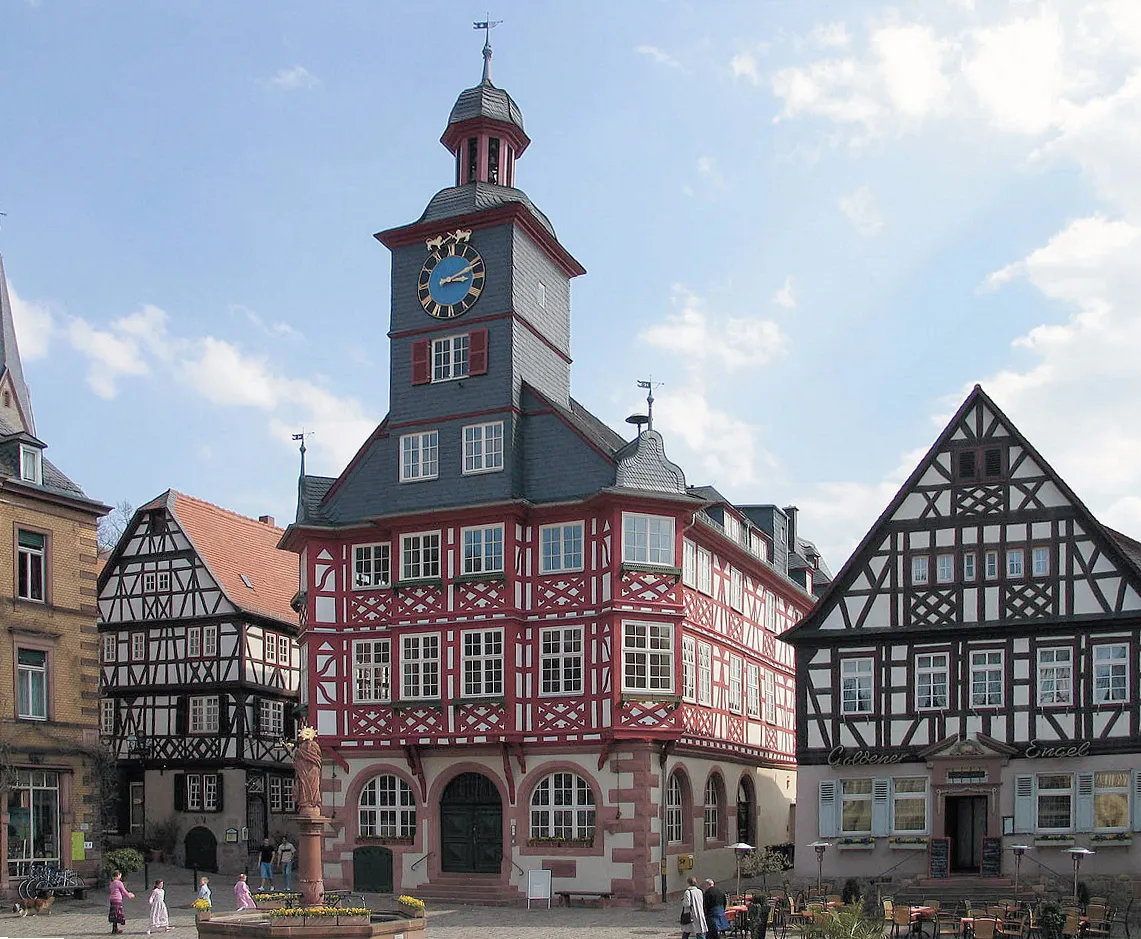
(817, 223)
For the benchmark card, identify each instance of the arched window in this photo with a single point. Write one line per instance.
(387, 809)
(562, 807)
(675, 804)
(745, 813)
(714, 808)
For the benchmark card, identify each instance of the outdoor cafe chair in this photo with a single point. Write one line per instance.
(983, 928)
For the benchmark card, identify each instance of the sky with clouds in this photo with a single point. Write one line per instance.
(817, 224)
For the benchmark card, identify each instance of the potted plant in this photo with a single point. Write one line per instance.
(162, 837)
(201, 910)
(410, 906)
(851, 893)
(1051, 920)
(127, 860)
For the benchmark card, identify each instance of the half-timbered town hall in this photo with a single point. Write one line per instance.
(200, 672)
(528, 644)
(970, 681)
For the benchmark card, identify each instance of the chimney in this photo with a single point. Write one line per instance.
(790, 511)
(266, 520)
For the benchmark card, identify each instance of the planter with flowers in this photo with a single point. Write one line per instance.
(907, 843)
(1110, 838)
(272, 901)
(201, 910)
(352, 916)
(410, 906)
(856, 844)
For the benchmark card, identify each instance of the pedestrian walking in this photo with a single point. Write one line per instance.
(715, 920)
(117, 892)
(286, 853)
(160, 916)
(265, 863)
(692, 910)
(204, 890)
(242, 892)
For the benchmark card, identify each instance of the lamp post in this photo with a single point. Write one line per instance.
(1077, 854)
(739, 850)
(821, 847)
(1019, 850)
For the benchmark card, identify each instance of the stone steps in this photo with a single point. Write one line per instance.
(468, 890)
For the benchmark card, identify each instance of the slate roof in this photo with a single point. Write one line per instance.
(475, 197)
(485, 100)
(643, 465)
(10, 352)
(233, 545)
(310, 491)
(1130, 547)
(55, 481)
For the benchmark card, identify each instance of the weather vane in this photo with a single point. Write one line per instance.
(487, 26)
(650, 385)
(301, 436)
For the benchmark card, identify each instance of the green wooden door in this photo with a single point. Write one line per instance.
(471, 826)
(372, 870)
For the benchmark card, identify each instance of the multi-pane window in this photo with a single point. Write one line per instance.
(674, 806)
(1015, 563)
(163, 581)
(32, 684)
(919, 573)
(753, 691)
(562, 808)
(138, 646)
(270, 645)
(1040, 561)
(969, 566)
(735, 702)
(419, 667)
(483, 447)
(647, 657)
(420, 555)
(449, 358)
(110, 642)
(107, 717)
(34, 801)
(210, 640)
(856, 806)
(560, 659)
(204, 714)
(689, 563)
(194, 641)
(271, 718)
(284, 651)
(1111, 800)
(30, 560)
(770, 698)
(910, 804)
(372, 565)
(149, 582)
(1055, 676)
(1110, 673)
(483, 549)
(387, 809)
(281, 794)
(483, 662)
(647, 539)
(736, 589)
(31, 465)
(944, 568)
(713, 809)
(689, 668)
(372, 670)
(704, 571)
(1055, 801)
(856, 686)
(986, 679)
(990, 560)
(704, 673)
(931, 680)
(560, 547)
(202, 792)
(420, 456)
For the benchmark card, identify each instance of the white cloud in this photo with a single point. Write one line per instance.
(660, 56)
(744, 65)
(111, 356)
(276, 329)
(34, 326)
(861, 210)
(293, 79)
(833, 35)
(785, 297)
(911, 68)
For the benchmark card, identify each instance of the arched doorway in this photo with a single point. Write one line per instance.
(372, 870)
(471, 826)
(201, 849)
(746, 812)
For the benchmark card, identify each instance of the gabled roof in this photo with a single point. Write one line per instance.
(236, 548)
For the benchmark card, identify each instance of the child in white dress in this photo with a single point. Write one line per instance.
(160, 918)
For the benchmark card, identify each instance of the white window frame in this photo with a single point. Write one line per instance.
(1055, 666)
(386, 808)
(1110, 673)
(1039, 561)
(736, 696)
(705, 674)
(987, 661)
(675, 805)
(712, 810)
(647, 648)
(899, 796)
(990, 565)
(1040, 792)
(920, 570)
(648, 539)
(483, 663)
(561, 661)
(736, 589)
(561, 547)
(107, 717)
(271, 718)
(372, 565)
(424, 568)
(138, 646)
(210, 639)
(753, 692)
(688, 668)
(853, 796)
(689, 563)
(29, 559)
(705, 571)
(163, 584)
(149, 581)
(110, 647)
(932, 669)
(420, 456)
(372, 671)
(31, 465)
(284, 651)
(1104, 790)
(32, 685)
(944, 568)
(203, 714)
(478, 544)
(449, 363)
(970, 572)
(1015, 562)
(562, 807)
(483, 448)
(269, 647)
(194, 642)
(769, 683)
(420, 672)
(857, 685)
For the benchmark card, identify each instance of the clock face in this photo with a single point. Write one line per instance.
(451, 280)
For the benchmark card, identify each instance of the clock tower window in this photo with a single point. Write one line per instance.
(493, 160)
(450, 357)
(472, 160)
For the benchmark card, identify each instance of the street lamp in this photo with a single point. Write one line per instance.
(1019, 850)
(821, 847)
(739, 850)
(1077, 854)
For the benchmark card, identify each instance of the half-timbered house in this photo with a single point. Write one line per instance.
(200, 672)
(527, 643)
(972, 674)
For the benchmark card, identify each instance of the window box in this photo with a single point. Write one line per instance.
(479, 578)
(1054, 840)
(493, 701)
(365, 839)
(672, 700)
(856, 843)
(560, 842)
(632, 567)
(421, 582)
(1108, 838)
(435, 704)
(907, 843)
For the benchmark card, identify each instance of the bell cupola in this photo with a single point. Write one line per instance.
(485, 132)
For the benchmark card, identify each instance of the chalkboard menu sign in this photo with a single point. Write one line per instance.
(939, 857)
(991, 865)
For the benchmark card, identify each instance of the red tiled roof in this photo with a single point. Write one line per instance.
(234, 545)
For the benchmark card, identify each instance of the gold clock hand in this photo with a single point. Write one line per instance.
(458, 275)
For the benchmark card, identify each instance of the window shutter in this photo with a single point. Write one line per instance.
(1083, 815)
(881, 806)
(828, 809)
(1136, 800)
(221, 790)
(477, 352)
(421, 362)
(180, 792)
(182, 715)
(1024, 803)
(255, 717)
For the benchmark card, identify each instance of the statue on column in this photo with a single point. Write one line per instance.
(306, 755)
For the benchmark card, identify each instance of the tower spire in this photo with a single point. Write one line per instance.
(15, 399)
(487, 26)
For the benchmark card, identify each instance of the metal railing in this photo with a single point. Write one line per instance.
(421, 860)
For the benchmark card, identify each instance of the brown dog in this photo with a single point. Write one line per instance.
(37, 906)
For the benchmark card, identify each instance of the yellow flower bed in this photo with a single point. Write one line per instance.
(201, 905)
(318, 911)
(411, 901)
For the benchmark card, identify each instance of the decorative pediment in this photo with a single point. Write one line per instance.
(643, 464)
(956, 748)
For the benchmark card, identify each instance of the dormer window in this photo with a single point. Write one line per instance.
(31, 465)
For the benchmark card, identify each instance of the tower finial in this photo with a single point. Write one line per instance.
(301, 436)
(650, 385)
(487, 26)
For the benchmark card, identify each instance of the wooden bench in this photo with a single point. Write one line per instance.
(565, 895)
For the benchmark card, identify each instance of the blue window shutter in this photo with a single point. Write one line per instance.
(881, 806)
(1024, 803)
(1135, 798)
(829, 808)
(1083, 816)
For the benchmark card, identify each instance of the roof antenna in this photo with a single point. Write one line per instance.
(650, 385)
(301, 436)
(487, 26)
